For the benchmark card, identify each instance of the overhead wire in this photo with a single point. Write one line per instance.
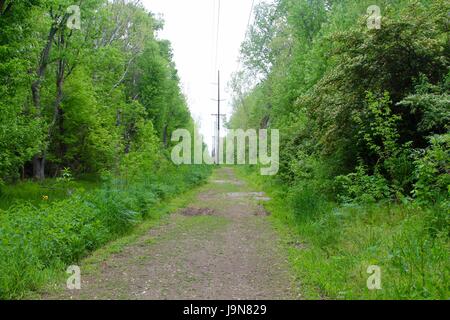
(246, 31)
(217, 35)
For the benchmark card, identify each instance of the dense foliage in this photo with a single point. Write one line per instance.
(364, 121)
(82, 98)
(38, 240)
(99, 101)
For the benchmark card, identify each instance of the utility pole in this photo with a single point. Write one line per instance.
(214, 140)
(218, 115)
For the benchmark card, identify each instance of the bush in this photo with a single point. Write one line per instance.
(433, 171)
(360, 187)
(38, 240)
(35, 239)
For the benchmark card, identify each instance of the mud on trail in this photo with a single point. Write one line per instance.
(222, 246)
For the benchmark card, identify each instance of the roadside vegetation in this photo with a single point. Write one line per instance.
(365, 145)
(86, 116)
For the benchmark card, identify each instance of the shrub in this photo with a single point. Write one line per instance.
(361, 188)
(38, 240)
(433, 171)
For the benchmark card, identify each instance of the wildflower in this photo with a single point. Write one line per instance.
(45, 198)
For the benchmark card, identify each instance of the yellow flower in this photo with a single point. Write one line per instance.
(45, 198)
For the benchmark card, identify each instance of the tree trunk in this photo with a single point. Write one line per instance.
(2, 4)
(39, 167)
(4, 10)
(59, 112)
(43, 63)
(62, 146)
(39, 159)
(165, 133)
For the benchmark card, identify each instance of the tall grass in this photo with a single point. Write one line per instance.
(39, 240)
(408, 242)
(33, 192)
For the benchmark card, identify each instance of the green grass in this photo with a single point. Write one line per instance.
(33, 192)
(92, 263)
(39, 238)
(331, 246)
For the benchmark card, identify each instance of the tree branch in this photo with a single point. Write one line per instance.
(124, 74)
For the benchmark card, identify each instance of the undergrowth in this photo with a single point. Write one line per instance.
(37, 241)
(332, 245)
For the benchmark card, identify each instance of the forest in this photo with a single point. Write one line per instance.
(86, 117)
(364, 116)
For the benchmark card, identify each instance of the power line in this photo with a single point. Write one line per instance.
(249, 17)
(217, 149)
(246, 31)
(218, 114)
(213, 36)
(218, 33)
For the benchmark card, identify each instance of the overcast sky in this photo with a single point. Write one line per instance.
(191, 27)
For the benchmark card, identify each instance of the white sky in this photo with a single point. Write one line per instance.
(191, 27)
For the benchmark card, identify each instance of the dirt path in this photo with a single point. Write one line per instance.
(220, 247)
